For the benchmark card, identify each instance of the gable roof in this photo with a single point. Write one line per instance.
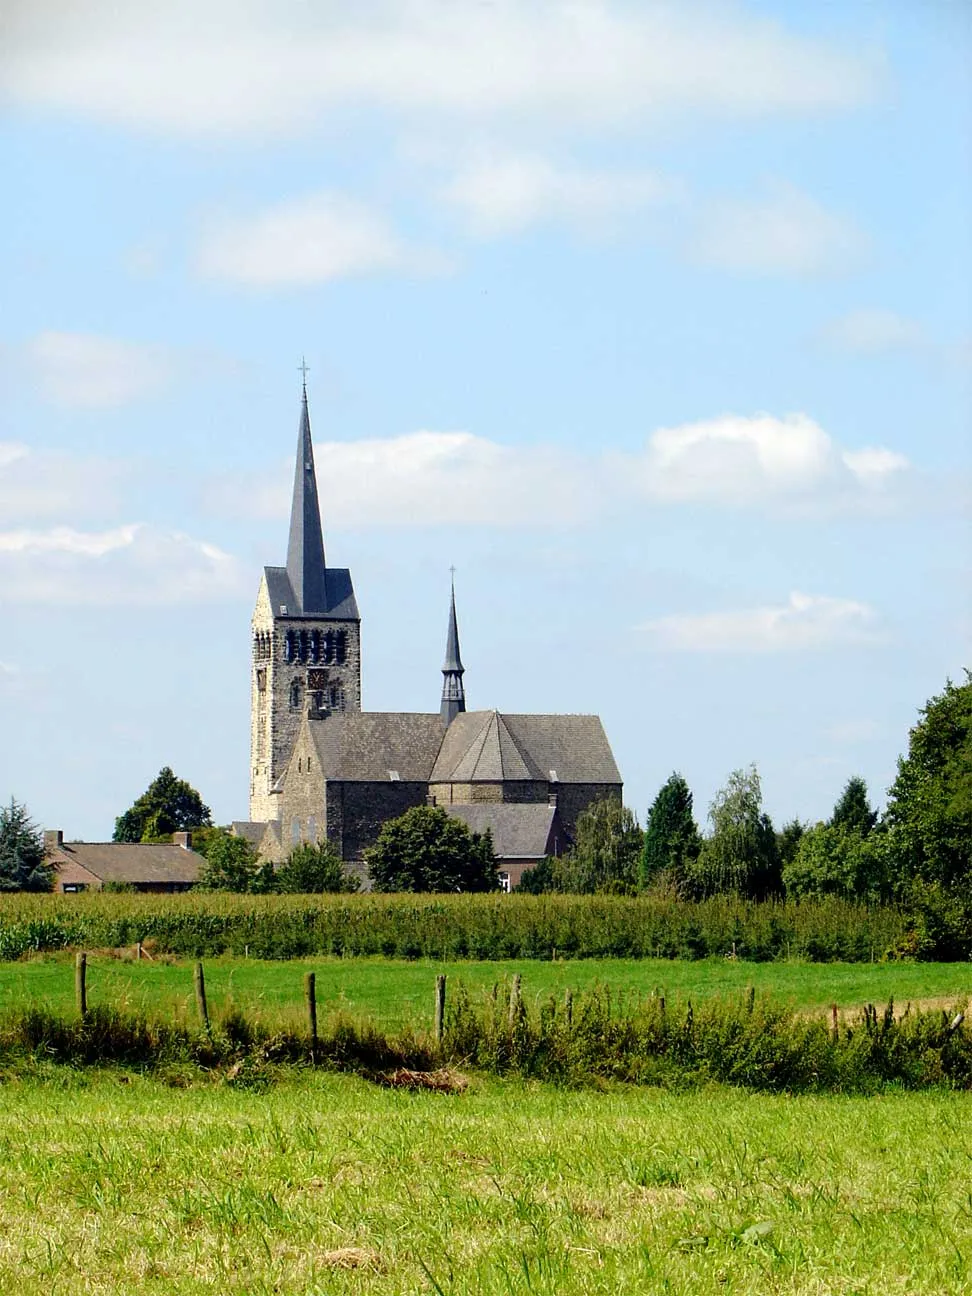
(488, 746)
(131, 862)
(377, 746)
(519, 831)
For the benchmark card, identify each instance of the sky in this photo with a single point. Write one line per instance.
(653, 319)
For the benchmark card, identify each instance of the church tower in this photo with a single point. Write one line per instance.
(306, 639)
(453, 692)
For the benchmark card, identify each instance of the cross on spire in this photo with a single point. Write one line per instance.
(302, 370)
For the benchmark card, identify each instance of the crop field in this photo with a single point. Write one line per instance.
(111, 1181)
(398, 993)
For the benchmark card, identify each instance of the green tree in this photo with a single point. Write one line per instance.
(853, 810)
(788, 840)
(543, 877)
(607, 847)
(834, 859)
(313, 870)
(741, 853)
(427, 850)
(671, 841)
(22, 865)
(167, 805)
(929, 812)
(231, 863)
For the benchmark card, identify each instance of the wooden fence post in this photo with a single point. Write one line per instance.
(440, 993)
(199, 981)
(310, 995)
(80, 982)
(515, 999)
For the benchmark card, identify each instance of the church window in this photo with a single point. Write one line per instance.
(295, 831)
(289, 646)
(311, 828)
(328, 652)
(262, 680)
(303, 645)
(315, 646)
(337, 698)
(341, 647)
(295, 694)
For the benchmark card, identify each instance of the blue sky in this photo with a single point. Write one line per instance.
(653, 319)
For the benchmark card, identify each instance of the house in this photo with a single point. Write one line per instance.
(143, 866)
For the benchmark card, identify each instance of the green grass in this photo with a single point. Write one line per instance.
(112, 1182)
(396, 993)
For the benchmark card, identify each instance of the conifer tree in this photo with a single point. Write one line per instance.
(672, 841)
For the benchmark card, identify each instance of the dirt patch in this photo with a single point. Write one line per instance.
(444, 1080)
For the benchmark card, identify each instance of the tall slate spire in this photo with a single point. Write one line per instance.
(453, 693)
(305, 551)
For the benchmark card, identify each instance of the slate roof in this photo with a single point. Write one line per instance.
(519, 831)
(132, 862)
(488, 746)
(253, 832)
(341, 603)
(368, 746)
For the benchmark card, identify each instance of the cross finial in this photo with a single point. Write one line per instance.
(452, 573)
(302, 370)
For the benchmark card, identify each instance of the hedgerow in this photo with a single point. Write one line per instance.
(456, 927)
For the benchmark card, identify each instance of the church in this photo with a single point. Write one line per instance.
(323, 768)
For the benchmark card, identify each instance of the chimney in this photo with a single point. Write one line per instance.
(53, 837)
(183, 839)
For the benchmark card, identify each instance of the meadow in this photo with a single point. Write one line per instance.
(111, 1181)
(396, 993)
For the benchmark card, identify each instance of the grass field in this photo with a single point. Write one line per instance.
(396, 993)
(112, 1182)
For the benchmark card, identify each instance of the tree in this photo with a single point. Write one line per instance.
(607, 848)
(544, 876)
(314, 869)
(231, 863)
(836, 859)
(167, 805)
(427, 850)
(671, 841)
(741, 853)
(929, 812)
(22, 865)
(853, 810)
(788, 840)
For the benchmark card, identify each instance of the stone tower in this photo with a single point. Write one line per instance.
(453, 691)
(306, 639)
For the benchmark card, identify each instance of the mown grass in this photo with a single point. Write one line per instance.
(112, 1182)
(395, 993)
(454, 927)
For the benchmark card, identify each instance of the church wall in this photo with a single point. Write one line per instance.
(517, 793)
(572, 798)
(356, 811)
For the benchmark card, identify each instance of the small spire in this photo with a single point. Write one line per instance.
(305, 551)
(453, 692)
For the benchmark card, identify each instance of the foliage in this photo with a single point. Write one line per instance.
(853, 810)
(22, 865)
(231, 863)
(313, 869)
(740, 855)
(788, 840)
(543, 877)
(167, 805)
(671, 841)
(929, 811)
(603, 859)
(834, 859)
(427, 850)
(455, 927)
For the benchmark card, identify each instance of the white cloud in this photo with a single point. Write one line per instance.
(762, 458)
(782, 232)
(804, 622)
(135, 564)
(307, 240)
(88, 371)
(502, 193)
(47, 484)
(259, 66)
(872, 332)
(430, 478)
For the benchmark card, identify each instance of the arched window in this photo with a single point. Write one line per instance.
(328, 647)
(337, 697)
(303, 645)
(289, 646)
(315, 646)
(295, 694)
(312, 828)
(341, 647)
